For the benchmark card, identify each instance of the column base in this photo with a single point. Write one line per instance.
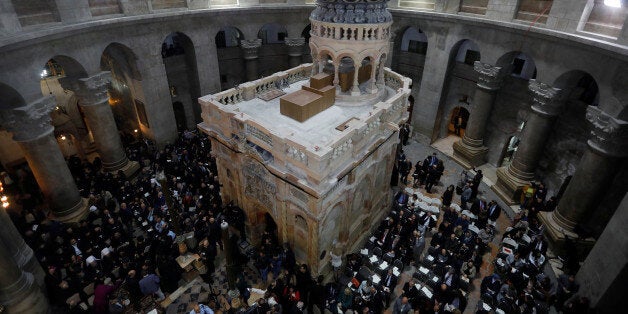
(77, 213)
(508, 186)
(557, 235)
(469, 156)
(27, 298)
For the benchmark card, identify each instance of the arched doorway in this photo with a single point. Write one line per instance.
(346, 71)
(458, 120)
(179, 59)
(125, 93)
(230, 66)
(179, 115)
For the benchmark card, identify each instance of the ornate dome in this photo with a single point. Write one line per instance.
(351, 11)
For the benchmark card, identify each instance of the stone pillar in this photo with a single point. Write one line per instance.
(355, 89)
(94, 99)
(470, 151)
(73, 11)
(598, 166)
(22, 254)
(32, 129)
(295, 50)
(19, 293)
(9, 22)
(251, 57)
(600, 274)
(521, 170)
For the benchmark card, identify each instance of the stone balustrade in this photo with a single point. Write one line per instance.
(351, 32)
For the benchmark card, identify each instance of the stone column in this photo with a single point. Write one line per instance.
(295, 50)
(94, 99)
(22, 254)
(521, 170)
(355, 89)
(19, 293)
(470, 151)
(251, 57)
(32, 129)
(607, 145)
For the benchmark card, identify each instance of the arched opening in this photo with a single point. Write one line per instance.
(126, 96)
(366, 70)
(568, 139)
(179, 58)
(458, 120)
(72, 134)
(518, 64)
(228, 36)
(508, 151)
(10, 98)
(459, 86)
(306, 33)
(230, 65)
(307, 54)
(179, 115)
(272, 33)
(410, 51)
(346, 72)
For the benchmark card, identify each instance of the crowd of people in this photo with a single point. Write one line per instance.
(110, 260)
(122, 255)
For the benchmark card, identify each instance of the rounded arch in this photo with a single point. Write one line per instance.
(10, 98)
(272, 33)
(518, 64)
(413, 40)
(579, 85)
(176, 43)
(466, 51)
(120, 59)
(228, 36)
(69, 66)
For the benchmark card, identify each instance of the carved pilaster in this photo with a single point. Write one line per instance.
(295, 46)
(251, 48)
(609, 136)
(490, 76)
(31, 121)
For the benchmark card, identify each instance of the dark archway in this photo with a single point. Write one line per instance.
(458, 120)
(179, 58)
(459, 87)
(179, 115)
(125, 93)
(272, 33)
(10, 98)
(230, 65)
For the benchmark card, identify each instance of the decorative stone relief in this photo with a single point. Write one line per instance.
(608, 135)
(340, 149)
(372, 126)
(251, 48)
(296, 154)
(300, 222)
(352, 12)
(31, 121)
(257, 133)
(259, 185)
(545, 97)
(299, 195)
(490, 77)
(295, 46)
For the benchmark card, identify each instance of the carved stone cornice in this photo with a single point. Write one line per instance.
(609, 136)
(31, 121)
(490, 76)
(250, 47)
(547, 99)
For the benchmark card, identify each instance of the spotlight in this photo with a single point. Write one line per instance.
(613, 3)
(63, 137)
(135, 131)
(44, 73)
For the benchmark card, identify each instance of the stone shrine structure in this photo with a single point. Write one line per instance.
(323, 181)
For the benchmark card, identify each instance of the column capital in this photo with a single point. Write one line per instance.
(90, 90)
(251, 48)
(295, 46)
(609, 136)
(31, 121)
(490, 76)
(545, 97)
